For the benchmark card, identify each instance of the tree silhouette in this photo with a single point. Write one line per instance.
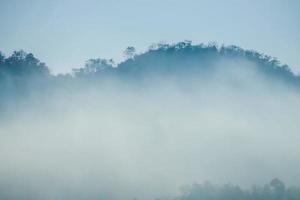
(275, 190)
(129, 52)
(22, 64)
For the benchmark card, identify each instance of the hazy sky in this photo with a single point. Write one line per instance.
(65, 33)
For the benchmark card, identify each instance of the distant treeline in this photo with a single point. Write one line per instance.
(158, 59)
(275, 190)
(21, 73)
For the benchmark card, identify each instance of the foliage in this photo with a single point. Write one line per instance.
(22, 64)
(275, 190)
(160, 59)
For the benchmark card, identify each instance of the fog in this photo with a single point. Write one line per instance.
(121, 137)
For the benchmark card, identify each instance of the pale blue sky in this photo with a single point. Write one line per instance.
(65, 33)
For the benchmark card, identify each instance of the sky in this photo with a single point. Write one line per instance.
(65, 33)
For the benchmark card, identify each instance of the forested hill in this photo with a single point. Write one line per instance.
(177, 60)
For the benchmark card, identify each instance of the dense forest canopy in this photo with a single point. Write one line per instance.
(22, 74)
(20, 64)
(160, 59)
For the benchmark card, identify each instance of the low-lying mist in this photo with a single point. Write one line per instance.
(143, 133)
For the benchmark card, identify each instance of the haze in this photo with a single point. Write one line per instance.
(176, 115)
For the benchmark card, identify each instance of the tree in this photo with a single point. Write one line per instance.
(93, 66)
(2, 57)
(129, 52)
(278, 189)
(23, 64)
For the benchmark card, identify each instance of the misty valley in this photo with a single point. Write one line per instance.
(176, 122)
